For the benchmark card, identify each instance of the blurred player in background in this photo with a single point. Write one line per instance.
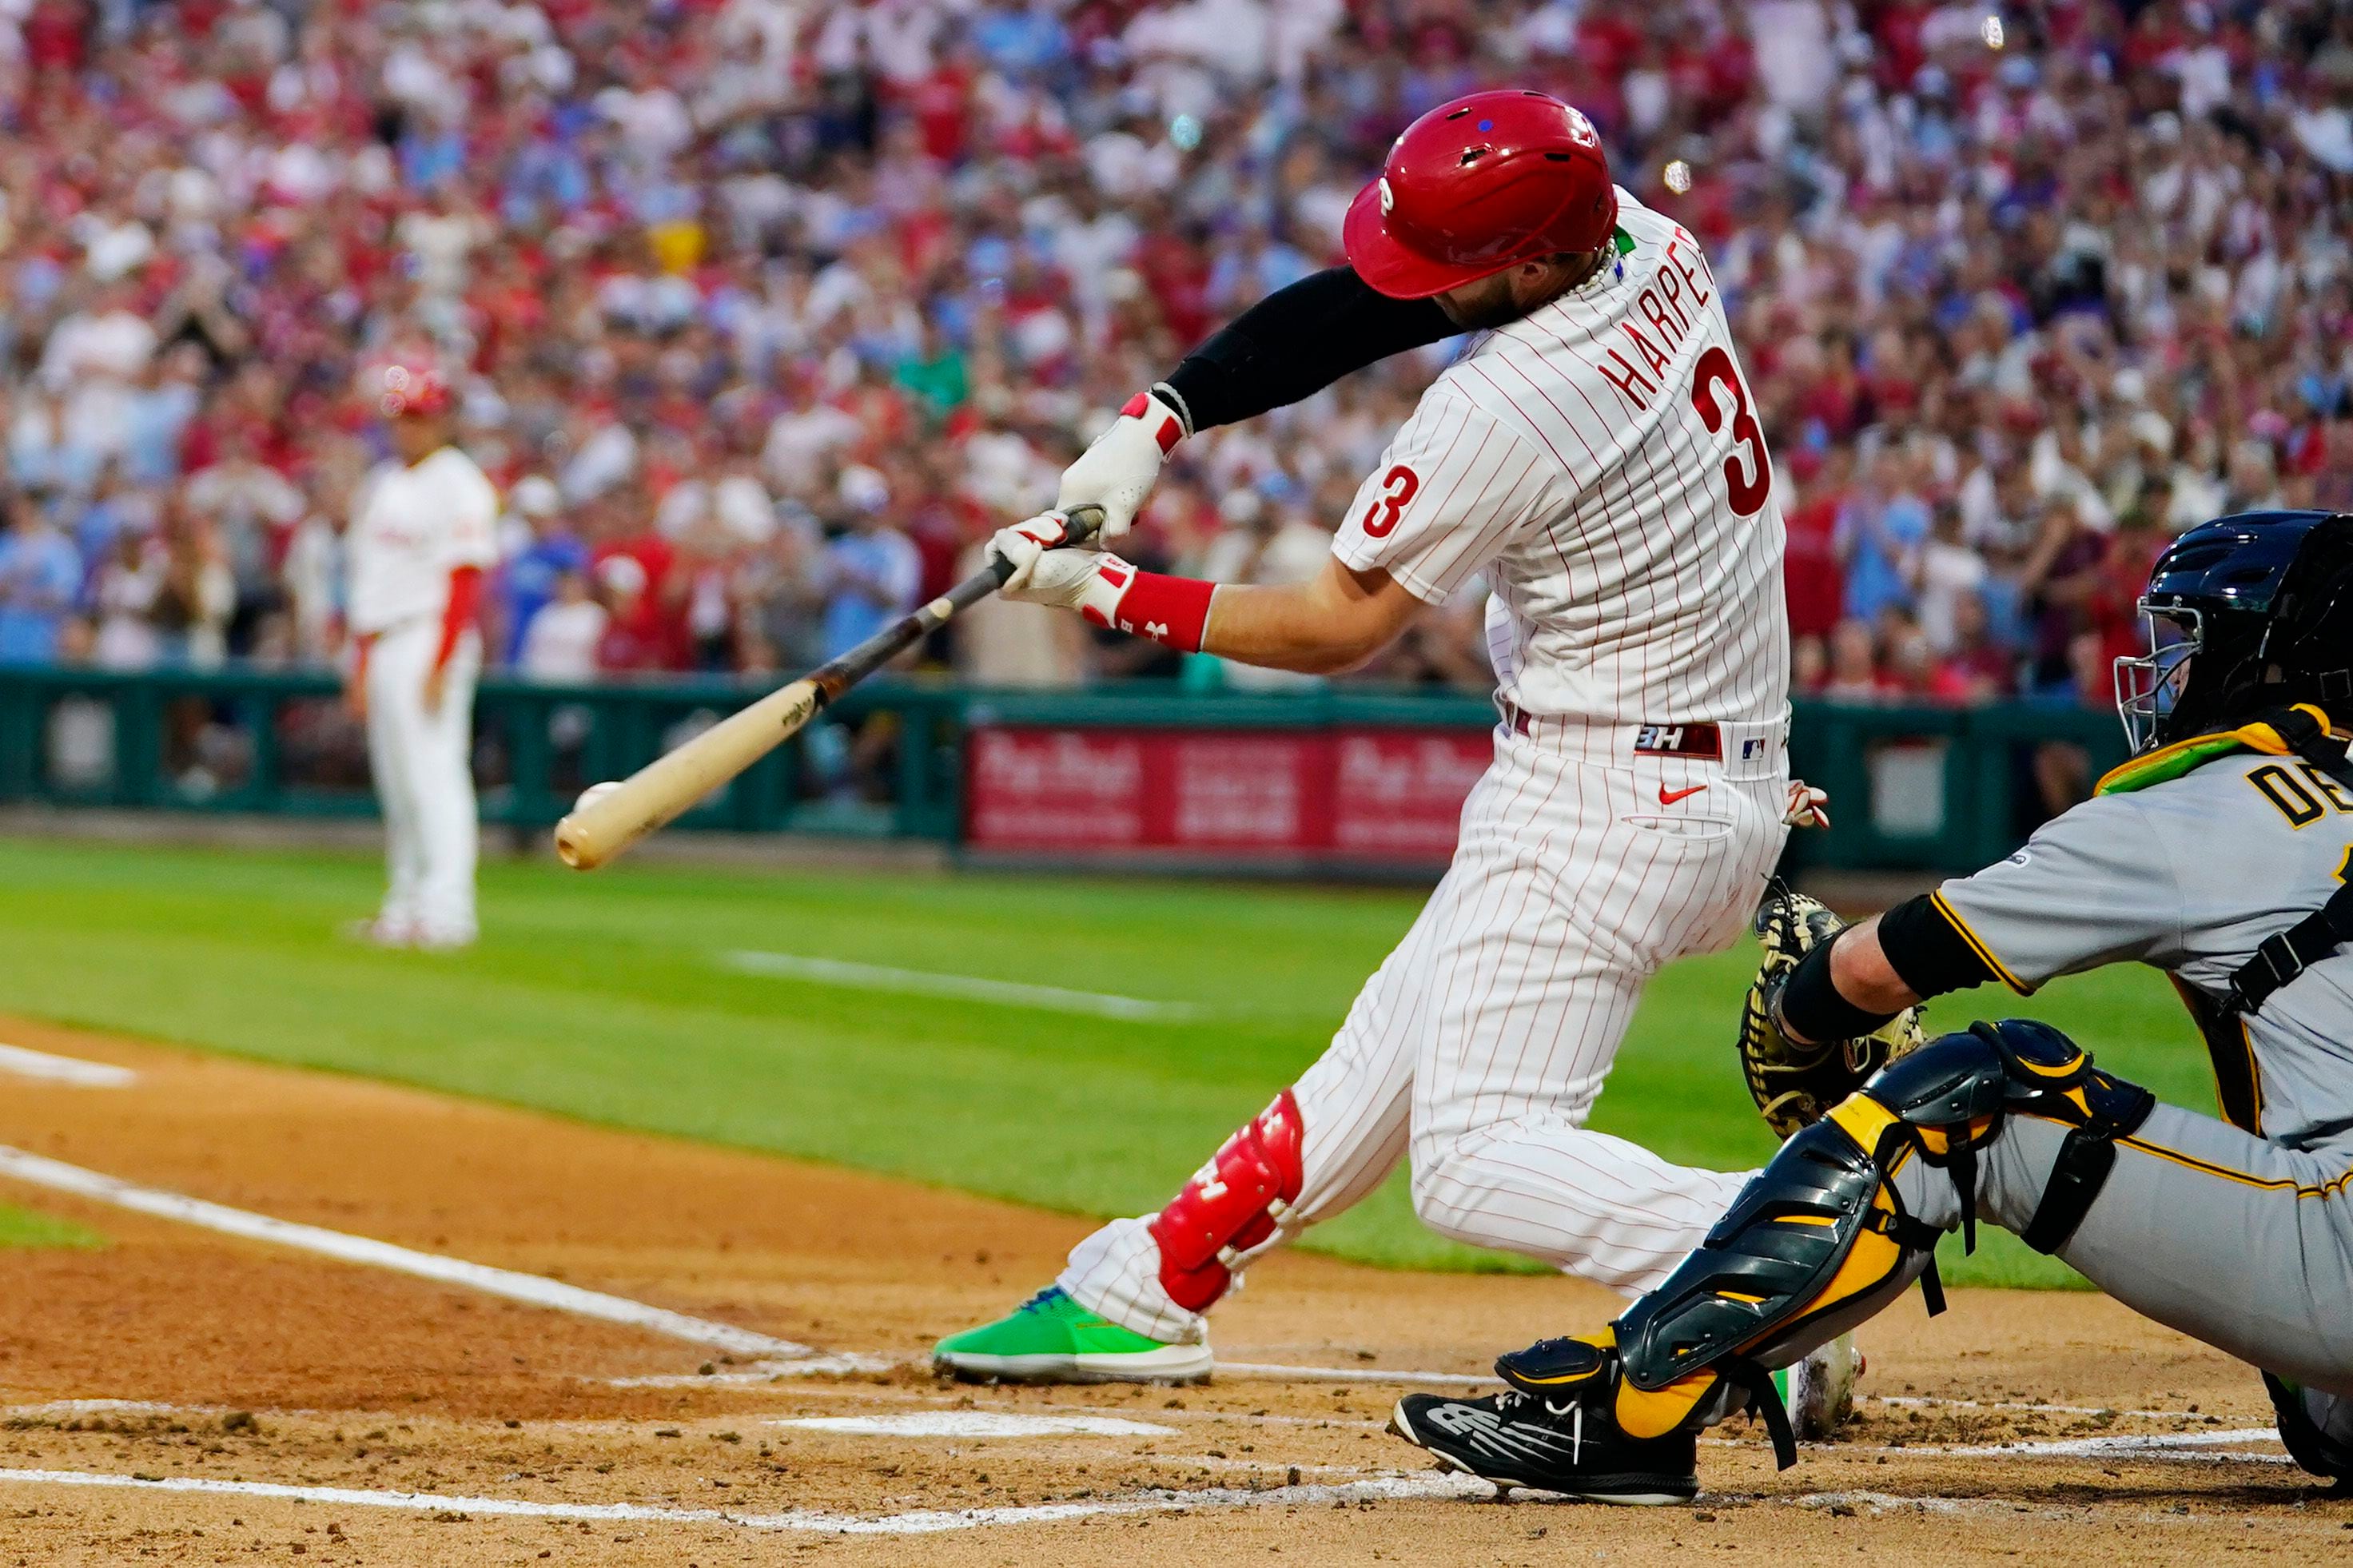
(423, 528)
(1594, 452)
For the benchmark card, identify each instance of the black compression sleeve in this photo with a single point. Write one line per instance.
(1926, 951)
(1298, 340)
(1812, 1005)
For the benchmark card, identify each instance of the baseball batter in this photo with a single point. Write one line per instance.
(2220, 857)
(1593, 451)
(422, 532)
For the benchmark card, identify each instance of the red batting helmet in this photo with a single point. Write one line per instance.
(411, 389)
(1477, 186)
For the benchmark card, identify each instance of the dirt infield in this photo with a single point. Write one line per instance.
(184, 1395)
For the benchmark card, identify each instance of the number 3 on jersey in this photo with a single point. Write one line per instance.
(1748, 482)
(1396, 489)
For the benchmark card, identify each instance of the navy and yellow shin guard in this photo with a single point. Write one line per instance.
(1819, 1240)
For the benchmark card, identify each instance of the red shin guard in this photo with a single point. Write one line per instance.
(1231, 1205)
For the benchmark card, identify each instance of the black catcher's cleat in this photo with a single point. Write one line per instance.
(1550, 1432)
(2306, 1444)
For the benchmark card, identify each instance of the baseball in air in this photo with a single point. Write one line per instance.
(595, 793)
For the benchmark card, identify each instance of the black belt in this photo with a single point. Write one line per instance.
(1702, 739)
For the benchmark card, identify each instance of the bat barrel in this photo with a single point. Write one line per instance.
(595, 832)
(600, 828)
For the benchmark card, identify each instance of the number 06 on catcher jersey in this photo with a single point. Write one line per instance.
(1599, 461)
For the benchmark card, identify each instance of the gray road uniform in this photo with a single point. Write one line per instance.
(2239, 1232)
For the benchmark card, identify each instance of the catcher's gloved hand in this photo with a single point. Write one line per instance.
(1794, 1084)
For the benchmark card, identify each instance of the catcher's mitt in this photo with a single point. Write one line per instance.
(1794, 1085)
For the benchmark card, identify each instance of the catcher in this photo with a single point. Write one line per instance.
(2218, 854)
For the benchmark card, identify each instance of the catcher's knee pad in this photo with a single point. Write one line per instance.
(1235, 1202)
(1952, 1098)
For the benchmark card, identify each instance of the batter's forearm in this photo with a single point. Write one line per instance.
(1286, 628)
(1333, 622)
(1296, 342)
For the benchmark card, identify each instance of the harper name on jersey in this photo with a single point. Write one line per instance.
(1602, 459)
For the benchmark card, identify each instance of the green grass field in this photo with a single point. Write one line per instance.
(23, 1230)
(604, 998)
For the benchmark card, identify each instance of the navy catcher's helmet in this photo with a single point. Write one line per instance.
(2260, 609)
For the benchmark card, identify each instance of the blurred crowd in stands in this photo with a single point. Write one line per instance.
(767, 311)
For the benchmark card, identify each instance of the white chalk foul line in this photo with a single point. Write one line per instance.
(977, 1424)
(2156, 1446)
(1277, 1371)
(820, 1364)
(934, 1522)
(1273, 1371)
(962, 987)
(1939, 1402)
(1964, 1507)
(927, 1521)
(59, 1176)
(80, 1074)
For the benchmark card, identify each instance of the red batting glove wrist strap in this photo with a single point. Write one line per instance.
(1166, 427)
(1171, 610)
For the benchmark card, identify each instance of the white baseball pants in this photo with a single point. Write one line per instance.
(425, 781)
(1483, 1040)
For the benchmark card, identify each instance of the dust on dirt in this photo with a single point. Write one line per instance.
(176, 1358)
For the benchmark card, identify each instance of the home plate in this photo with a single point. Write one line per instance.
(979, 1423)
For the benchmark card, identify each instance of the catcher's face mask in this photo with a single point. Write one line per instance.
(2147, 687)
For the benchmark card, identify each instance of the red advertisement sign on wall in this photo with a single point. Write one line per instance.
(1397, 794)
(1026, 788)
(1341, 798)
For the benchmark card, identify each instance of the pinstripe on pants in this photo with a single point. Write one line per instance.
(1483, 1040)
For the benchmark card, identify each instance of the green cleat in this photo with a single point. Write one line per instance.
(1051, 1339)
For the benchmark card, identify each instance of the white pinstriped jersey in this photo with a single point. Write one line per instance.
(1602, 457)
(410, 526)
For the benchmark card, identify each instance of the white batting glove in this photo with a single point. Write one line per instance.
(1089, 580)
(1117, 472)
(1808, 806)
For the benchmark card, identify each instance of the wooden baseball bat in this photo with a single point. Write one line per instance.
(598, 829)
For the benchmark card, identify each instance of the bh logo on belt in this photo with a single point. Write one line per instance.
(1678, 741)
